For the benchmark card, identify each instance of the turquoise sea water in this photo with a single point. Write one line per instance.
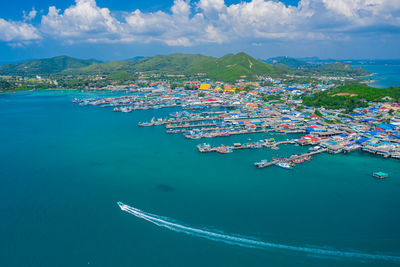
(385, 75)
(64, 167)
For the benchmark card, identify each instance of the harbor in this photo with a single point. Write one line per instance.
(89, 156)
(217, 115)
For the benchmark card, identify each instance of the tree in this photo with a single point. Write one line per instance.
(318, 113)
(5, 86)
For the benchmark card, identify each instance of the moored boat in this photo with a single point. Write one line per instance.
(314, 148)
(146, 124)
(298, 160)
(284, 165)
(224, 150)
(205, 147)
(261, 164)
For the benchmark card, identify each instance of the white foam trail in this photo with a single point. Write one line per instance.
(247, 241)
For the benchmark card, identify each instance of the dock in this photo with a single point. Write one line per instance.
(170, 126)
(291, 158)
(205, 148)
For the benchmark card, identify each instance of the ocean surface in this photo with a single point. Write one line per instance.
(385, 75)
(63, 168)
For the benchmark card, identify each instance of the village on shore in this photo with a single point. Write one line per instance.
(215, 109)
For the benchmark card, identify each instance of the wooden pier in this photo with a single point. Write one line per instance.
(169, 126)
(246, 146)
(194, 119)
(269, 163)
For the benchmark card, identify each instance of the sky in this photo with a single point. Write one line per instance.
(120, 29)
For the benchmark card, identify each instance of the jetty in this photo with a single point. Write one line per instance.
(172, 126)
(204, 148)
(291, 158)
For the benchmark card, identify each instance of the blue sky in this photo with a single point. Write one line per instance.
(117, 29)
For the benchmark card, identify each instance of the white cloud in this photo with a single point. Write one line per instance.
(212, 8)
(211, 21)
(365, 12)
(17, 32)
(84, 20)
(181, 8)
(181, 27)
(31, 14)
(265, 19)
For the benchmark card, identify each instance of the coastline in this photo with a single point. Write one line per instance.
(84, 160)
(59, 89)
(384, 76)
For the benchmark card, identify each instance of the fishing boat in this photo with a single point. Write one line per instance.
(207, 135)
(224, 134)
(126, 109)
(145, 124)
(258, 145)
(298, 160)
(284, 165)
(194, 136)
(380, 175)
(261, 164)
(396, 155)
(159, 122)
(224, 150)
(204, 147)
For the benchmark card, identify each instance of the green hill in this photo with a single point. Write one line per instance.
(135, 58)
(233, 66)
(340, 69)
(173, 63)
(44, 66)
(303, 68)
(227, 68)
(288, 62)
(102, 68)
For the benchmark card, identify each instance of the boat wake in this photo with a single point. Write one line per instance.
(248, 241)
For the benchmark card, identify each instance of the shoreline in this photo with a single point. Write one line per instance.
(58, 89)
